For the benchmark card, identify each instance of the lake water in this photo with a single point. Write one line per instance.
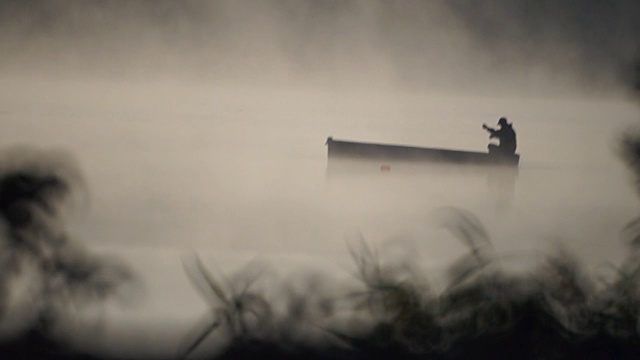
(238, 173)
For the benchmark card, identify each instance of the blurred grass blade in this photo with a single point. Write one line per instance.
(250, 279)
(210, 286)
(464, 269)
(366, 261)
(467, 228)
(206, 327)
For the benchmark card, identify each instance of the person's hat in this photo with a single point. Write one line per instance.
(502, 121)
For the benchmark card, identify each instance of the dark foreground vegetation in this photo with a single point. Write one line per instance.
(555, 311)
(46, 277)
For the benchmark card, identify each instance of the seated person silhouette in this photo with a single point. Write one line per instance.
(505, 134)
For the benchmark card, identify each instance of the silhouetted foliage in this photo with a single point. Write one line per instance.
(240, 312)
(51, 276)
(557, 310)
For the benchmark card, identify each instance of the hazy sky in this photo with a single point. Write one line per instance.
(462, 44)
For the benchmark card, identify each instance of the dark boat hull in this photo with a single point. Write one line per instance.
(339, 149)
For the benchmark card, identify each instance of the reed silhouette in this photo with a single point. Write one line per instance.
(47, 277)
(238, 311)
(557, 310)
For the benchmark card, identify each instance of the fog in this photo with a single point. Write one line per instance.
(200, 127)
(495, 46)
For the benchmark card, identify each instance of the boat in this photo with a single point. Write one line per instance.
(352, 150)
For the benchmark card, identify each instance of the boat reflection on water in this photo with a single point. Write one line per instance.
(502, 187)
(454, 182)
